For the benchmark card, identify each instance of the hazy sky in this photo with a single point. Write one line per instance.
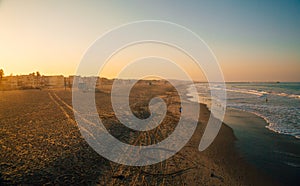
(252, 40)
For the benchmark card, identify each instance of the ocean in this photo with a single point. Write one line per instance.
(265, 118)
(277, 103)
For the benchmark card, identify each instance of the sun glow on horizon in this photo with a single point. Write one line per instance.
(51, 36)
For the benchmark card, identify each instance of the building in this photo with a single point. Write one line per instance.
(53, 81)
(31, 82)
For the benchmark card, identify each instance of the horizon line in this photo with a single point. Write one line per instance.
(196, 81)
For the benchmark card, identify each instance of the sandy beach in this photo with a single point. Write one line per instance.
(41, 144)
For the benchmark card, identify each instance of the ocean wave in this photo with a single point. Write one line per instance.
(276, 123)
(260, 93)
(253, 92)
(294, 96)
(280, 119)
(244, 91)
(292, 164)
(288, 154)
(282, 116)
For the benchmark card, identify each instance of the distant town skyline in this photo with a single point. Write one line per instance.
(252, 40)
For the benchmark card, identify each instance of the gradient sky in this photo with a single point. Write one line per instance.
(252, 40)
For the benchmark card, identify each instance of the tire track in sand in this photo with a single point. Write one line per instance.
(61, 108)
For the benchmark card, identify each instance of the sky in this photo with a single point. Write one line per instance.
(255, 40)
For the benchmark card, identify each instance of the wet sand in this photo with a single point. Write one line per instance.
(276, 154)
(41, 144)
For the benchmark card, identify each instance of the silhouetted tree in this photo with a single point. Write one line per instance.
(1, 74)
(38, 75)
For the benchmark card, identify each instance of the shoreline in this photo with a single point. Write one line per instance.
(280, 110)
(231, 159)
(234, 162)
(271, 152)
(267, 122)
(266, 150)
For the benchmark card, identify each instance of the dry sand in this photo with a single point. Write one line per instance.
(40, 144)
